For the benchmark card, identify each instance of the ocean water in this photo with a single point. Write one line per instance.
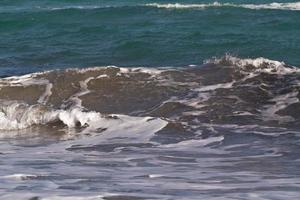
(133, 100)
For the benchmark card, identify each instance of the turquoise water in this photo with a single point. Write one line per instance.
(41, 35)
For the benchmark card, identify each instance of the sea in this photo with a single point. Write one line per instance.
(157, 99)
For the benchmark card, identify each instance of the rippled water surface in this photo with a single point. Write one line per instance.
(191, 100)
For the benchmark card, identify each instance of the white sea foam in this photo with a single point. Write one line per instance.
(155, 175)
(150, 71)
(45, 96)
(20, 177)
(103, 76)
(293, 6)
(29, 80)
(25, 80)
(82, 7)
(14, 116)
(281, 102)
(77, 102)
(261, 64)
(113, 128)
(242, 113)
(214, 87)
(277, 6)
(27, 196)
(74, 198)
(187, 6)
(124, 128)
(195, 143)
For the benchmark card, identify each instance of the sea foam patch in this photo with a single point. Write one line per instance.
(274, 5)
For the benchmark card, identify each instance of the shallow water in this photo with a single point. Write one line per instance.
(162, 123)
(227, 129)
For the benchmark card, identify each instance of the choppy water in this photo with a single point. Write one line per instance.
(192, 100)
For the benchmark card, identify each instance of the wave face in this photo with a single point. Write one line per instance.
(227, 90)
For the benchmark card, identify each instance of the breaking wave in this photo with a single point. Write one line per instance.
(276, 6)
(294, 6)
(227, 90)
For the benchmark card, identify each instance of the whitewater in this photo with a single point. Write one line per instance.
(128, 100)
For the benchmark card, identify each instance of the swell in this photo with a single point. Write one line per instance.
(227, 90)
(293, 6)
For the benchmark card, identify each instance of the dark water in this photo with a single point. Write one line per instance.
(168, 120)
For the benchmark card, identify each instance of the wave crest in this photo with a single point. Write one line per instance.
(257, 64)
(293, 6)
(273, 6)
(17, 116)
(227, 89)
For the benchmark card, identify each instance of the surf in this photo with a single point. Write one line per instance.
(101, 98)
(271, 6)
